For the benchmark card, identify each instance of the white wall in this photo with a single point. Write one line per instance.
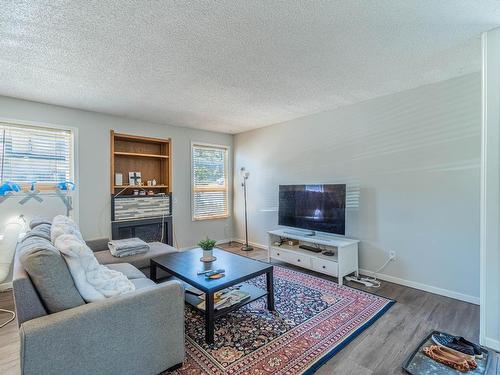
(411, 161)
(490, 193)
(93, 165)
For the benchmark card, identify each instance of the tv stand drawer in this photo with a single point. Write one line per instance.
(325, 266)
(291, 257)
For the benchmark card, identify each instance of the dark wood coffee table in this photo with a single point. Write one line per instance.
(186, 264)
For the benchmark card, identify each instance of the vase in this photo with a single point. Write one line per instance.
(208, 256)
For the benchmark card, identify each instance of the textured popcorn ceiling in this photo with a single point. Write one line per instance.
(233, 65)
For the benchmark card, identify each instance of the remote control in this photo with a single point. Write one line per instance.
(211, 272)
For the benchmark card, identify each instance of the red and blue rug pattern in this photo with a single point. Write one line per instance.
(314, 319)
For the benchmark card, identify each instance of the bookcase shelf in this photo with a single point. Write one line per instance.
(136, 154)
(149, 156)
(140, 187)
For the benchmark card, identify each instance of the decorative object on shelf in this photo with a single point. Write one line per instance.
(142, 192)
(208, 246)
(118, 179)
(134, 178)
(151, 192)
(245, 174)
(153, 182)
(136, 192)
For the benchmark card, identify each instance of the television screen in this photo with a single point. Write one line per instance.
(313, 207)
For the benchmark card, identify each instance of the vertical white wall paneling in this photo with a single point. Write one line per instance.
(93, 165)
(490, 192)
(411, 161)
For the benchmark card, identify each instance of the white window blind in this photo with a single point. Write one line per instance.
(34, 154)
(209, 179)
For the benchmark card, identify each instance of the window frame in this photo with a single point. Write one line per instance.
(50, 190)
(227, 188)
(48, 186)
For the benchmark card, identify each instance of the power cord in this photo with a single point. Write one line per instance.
(372, 281)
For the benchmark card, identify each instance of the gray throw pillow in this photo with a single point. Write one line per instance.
(41, 230)
(49, 273)
(39, 220)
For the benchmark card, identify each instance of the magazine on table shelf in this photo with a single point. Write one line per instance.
(225, 298)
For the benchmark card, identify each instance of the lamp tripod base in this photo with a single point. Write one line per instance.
(246, 248)
(12, 317)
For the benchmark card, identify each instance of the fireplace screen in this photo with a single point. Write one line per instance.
(149, 230)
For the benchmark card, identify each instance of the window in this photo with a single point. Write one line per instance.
(209, 181)
(35, 154)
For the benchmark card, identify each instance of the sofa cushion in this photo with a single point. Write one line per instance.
(127, 269)
(49, 273)
(142, 283)
(139, 260)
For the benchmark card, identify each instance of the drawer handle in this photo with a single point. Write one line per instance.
(324, 266)
(298, 260)
(278, 254)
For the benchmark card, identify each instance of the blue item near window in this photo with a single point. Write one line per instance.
(66, 185)
(9, 187)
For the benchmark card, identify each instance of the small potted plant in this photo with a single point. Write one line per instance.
(207, 245)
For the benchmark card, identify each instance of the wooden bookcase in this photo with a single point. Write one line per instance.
(150, 156)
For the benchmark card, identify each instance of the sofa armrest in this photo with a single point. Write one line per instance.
(137, 333)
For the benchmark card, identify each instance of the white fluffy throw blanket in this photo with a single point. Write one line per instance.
(93, 280)
(64, 225)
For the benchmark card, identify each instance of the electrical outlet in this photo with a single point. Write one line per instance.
(392, 255)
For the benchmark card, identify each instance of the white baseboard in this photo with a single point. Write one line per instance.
(491, 343)
(254, 244)
(397, 280)
(424, 287)
(220, 242)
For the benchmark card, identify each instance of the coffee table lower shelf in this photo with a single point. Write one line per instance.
(253, 291)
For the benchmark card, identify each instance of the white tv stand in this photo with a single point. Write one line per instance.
(342, 263)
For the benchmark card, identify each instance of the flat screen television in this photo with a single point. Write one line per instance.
(313, 207)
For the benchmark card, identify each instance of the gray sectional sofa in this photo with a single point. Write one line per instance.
(141, 332)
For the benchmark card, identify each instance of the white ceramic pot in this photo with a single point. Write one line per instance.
(208, 256)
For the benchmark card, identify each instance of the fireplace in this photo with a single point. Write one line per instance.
(149, 230)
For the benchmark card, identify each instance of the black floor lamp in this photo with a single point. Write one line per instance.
(245, 175)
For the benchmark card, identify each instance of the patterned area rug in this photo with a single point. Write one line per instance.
(314, 319)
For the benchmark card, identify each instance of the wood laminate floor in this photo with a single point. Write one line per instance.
(381, 349)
